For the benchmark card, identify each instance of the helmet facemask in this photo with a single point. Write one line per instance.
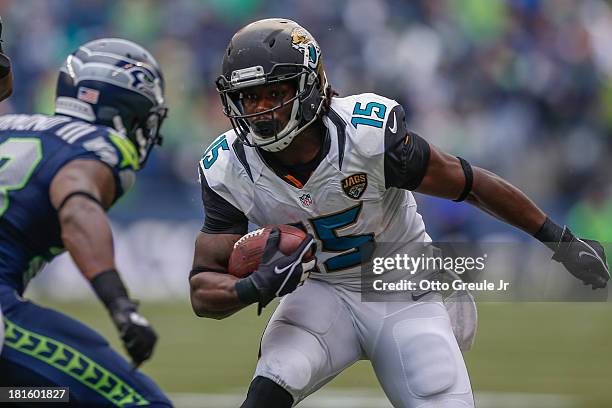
(145, 133)
(306, 104)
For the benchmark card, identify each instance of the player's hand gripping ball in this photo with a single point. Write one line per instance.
(249, 249)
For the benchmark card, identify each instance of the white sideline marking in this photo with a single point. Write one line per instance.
(351, 398)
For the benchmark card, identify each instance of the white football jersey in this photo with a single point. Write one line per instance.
(344, 204)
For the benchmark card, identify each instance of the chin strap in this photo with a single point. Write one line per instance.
(277, 146)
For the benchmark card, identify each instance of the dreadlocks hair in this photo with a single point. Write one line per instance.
(329, 94)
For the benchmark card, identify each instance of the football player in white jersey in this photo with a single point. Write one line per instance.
(342, 168)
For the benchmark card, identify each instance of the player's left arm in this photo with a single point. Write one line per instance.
(411, 163)
(445, 178)
(453, 178)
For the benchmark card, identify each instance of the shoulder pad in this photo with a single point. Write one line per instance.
(35, 123)
(218, 153)
(221, 164)
(366, 117)
(110, 146)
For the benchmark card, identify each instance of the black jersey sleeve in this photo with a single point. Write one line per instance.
(406, 153)
(220, 216)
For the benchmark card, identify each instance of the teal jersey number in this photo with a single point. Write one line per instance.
(18, 159)
(361, 246)
(212, 153)
(372, 109)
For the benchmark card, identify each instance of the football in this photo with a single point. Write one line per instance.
(248, 250)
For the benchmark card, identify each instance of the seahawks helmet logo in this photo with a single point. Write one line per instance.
(146, 81)
(141, 77)
(354, 185)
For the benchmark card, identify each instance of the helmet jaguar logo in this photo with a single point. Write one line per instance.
(302, 41)
(300, 36)
(312, 54)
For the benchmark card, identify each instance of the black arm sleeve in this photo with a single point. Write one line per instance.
(220, 217)
(406, 153)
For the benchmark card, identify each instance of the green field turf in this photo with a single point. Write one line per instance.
(549, 348)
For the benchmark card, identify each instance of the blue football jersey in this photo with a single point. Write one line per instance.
(33, 148)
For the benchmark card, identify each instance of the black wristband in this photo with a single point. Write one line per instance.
(200, 269)
(469, 179)
(85, 194)
(550, 234)
(246, 291)
(109, 288)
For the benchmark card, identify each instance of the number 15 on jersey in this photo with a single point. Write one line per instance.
(364, 116)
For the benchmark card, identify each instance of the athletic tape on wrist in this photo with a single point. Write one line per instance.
(551, 234)
(246, 291)
(109, 288)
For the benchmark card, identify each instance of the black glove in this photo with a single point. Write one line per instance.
(137, 335)
(583, 258)
(278, 274)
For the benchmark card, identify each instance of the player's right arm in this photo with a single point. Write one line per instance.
(217, 294)
(213, 290)
(81, 192)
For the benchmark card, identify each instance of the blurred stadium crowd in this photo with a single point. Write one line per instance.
(521, 87)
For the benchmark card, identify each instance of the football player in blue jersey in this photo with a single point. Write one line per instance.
(343, 168)
(58, 176)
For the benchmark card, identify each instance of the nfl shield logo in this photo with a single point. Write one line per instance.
(306, 199)
(354, 185)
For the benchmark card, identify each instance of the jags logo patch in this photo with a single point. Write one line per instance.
(355, 184)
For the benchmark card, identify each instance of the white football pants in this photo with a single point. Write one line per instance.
(319, 330)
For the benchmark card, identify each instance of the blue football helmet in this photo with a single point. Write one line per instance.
(116, 83)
